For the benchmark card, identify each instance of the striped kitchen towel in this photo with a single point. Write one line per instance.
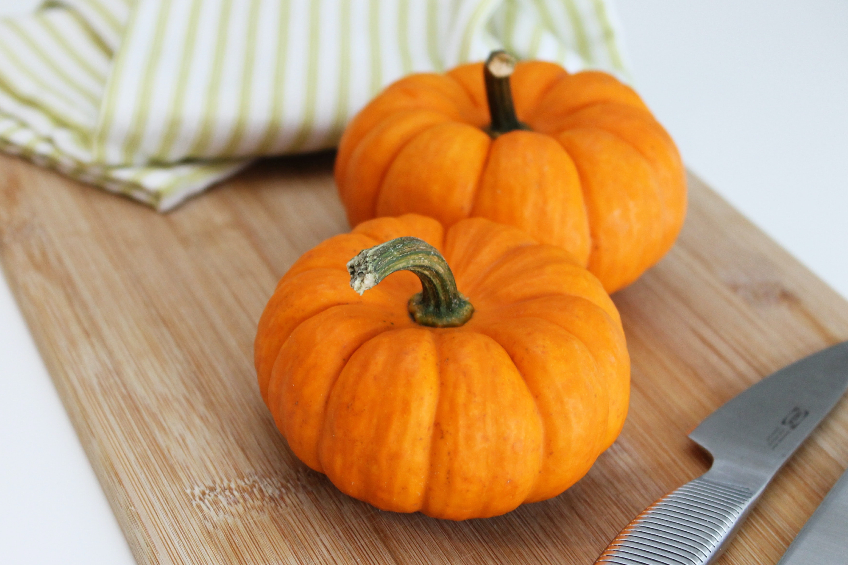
(160, 99)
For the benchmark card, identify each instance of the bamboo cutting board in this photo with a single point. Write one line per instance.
(146, 324)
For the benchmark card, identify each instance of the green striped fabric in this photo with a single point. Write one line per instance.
(159, 99)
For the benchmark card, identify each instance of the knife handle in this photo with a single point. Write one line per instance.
(689, 526)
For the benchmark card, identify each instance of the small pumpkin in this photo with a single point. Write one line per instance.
(576, 160)
(414, 397)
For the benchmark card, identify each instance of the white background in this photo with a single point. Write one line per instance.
(755, 95)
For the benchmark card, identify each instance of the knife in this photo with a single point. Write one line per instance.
(823, 539)
(750, 438)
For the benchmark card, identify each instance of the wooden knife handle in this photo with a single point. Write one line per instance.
(690, 525)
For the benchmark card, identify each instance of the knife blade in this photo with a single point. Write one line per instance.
(749, 438)
(822, 540)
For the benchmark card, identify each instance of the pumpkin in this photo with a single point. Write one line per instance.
(576, 160)
(414, 396)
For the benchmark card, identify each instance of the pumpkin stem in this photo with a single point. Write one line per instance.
(497, 70)
(439, 304)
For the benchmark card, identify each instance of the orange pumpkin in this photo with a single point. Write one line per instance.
(511, 400)
(576, 160)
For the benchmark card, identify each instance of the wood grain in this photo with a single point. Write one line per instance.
(146, 324)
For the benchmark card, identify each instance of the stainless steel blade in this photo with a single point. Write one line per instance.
(750, 438)
(755, 432)
(823, 538)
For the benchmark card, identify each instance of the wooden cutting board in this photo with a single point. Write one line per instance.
(146, 323)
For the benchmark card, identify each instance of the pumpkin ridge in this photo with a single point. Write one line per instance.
(538, 412)
(482, 330)
(517, 304)
(583, 193)
(591, 286)
(371, 322)
(479, 182)
(445, 208)
(385, 172)
(269, 322)
(659, 201)
(297, 268)
(593, 228)
(598, 371)
(469, 95)
(648, 117)
(471, 284)
(367, 137)
(613, 323)
(425, 488)
(264, 383)
(364, 227)
(267, 383)
(555, 131)
(578, 109)
(643, 111)
(318, 447)
(486, 506)
(358, 126)
(517, 315)
(467, 91)
(647, 256)
(490, 308)
(668, 218)
(610, 131)
(542, 93)
(437, 87)
(462, 246)
(609, 90)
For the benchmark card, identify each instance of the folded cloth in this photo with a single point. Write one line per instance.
(160, 99)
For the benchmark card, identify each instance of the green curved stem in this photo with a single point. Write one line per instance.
(439, 304)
